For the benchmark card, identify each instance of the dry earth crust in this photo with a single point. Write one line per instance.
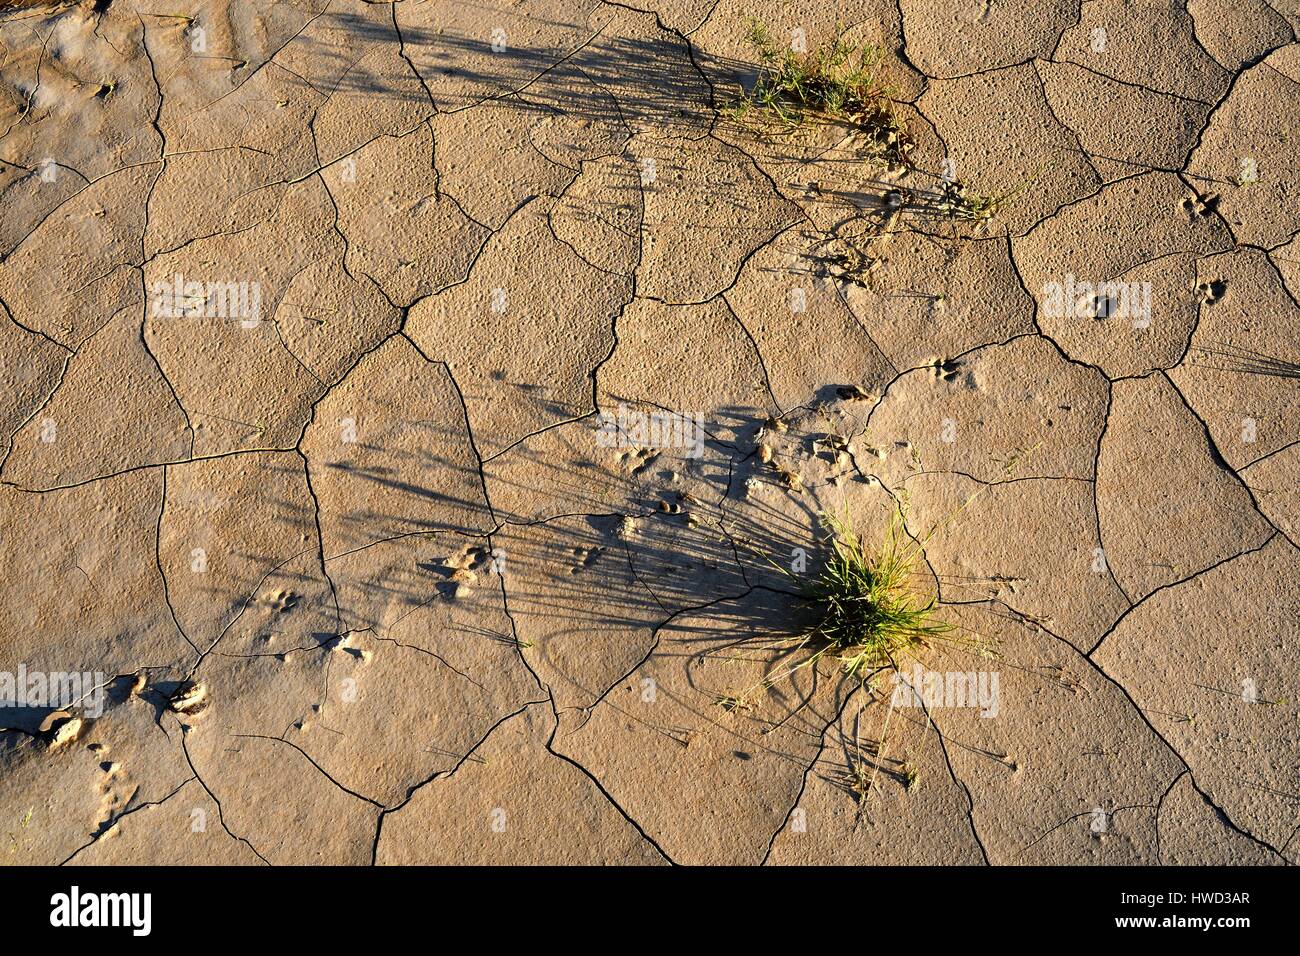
(358, 575)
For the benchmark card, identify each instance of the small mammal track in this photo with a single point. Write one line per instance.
(947, 369)
(586, 558)
(282, 601)
(189, 699)
(637, 460)
(469, 558)
(1212, 291)
(462, 570)
(116, 791)
(1198, 207)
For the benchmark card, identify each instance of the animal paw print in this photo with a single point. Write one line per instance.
(283, 601)
(1212, 291)
(115, 792)
(1100, 307)
(461, 570)
(1198, 207)
(947, 370)
(585, 558)
(637, 460)
(472, 558)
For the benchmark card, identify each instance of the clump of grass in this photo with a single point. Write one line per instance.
(909, 775)
(958, 201)
(727, 702)
(868, 612)
(836, 80)
(839, 80)
(857, 777)
(951, 199)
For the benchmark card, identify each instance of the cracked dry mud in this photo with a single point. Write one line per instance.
(363, 583)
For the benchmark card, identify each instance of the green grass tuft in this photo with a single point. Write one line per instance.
(868, 612)
(957, 201)
(836, 80)
(840, 81)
